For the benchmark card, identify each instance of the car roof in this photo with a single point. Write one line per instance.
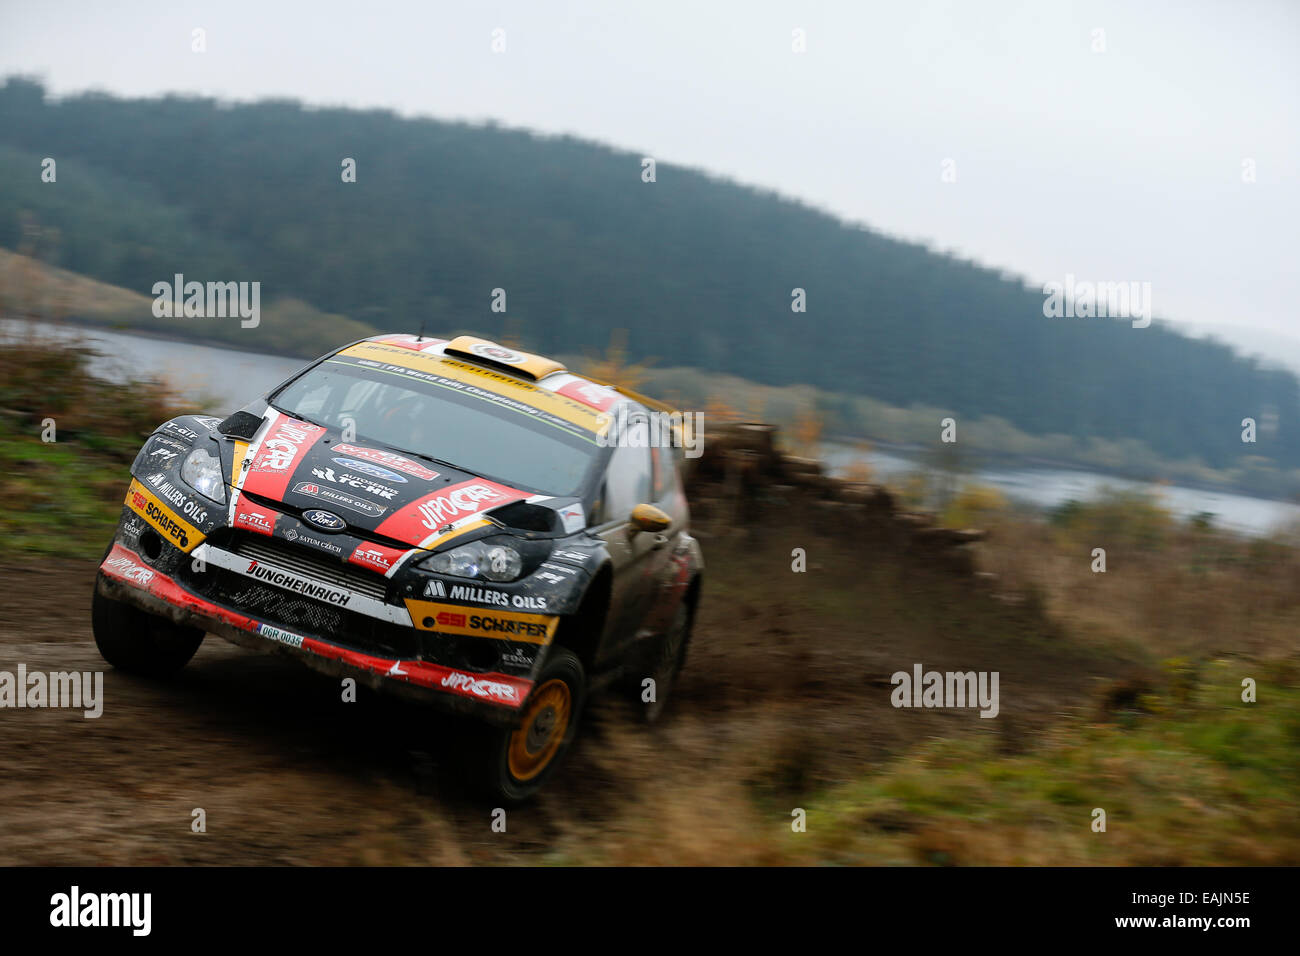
(539, 382)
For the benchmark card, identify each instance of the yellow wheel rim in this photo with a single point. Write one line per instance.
(540, 733)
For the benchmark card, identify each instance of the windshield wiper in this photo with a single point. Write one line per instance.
(298, 415)
(430, 458)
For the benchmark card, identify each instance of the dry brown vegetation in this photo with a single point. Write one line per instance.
(613, 367)
(1170, 588)
(40, 379)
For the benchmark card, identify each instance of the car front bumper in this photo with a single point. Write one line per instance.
(497, 698)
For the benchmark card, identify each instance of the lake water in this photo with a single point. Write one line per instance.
(222, 380)
(1049, 487)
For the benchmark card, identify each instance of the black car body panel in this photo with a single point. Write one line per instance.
(322, 544)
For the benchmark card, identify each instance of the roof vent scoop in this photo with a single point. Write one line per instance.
(512, 361)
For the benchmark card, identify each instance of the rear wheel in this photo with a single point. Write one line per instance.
(133, 640)
(513, 763)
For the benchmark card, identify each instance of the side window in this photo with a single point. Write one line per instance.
(665, 464)
(627, 482)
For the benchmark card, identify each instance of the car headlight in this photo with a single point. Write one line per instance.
(478, 559)
(201, 470)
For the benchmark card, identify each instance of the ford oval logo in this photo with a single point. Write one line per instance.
(325, 520)
(366, 468)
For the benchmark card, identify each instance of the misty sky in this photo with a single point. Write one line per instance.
(1120, 165)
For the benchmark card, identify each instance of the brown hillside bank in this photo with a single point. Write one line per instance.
(786, 693)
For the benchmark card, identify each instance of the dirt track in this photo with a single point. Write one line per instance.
(787, 689)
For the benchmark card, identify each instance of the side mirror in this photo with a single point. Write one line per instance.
(649, 518)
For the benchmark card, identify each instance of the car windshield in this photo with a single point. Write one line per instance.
(503, 441)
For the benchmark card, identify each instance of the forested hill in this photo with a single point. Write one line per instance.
(698, 270)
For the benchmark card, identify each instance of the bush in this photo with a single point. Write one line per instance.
(1131, 518)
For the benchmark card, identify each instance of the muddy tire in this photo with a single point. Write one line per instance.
(667, 658)
(509, 765)
(140, 643)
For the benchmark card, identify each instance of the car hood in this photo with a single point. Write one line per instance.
(379, 492)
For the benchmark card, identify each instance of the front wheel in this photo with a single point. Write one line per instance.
(133, 640)
(515, 762)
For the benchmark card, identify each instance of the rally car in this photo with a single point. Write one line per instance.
(447, 519)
